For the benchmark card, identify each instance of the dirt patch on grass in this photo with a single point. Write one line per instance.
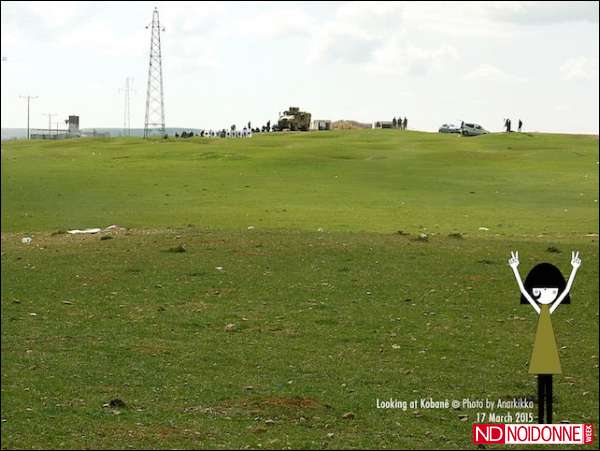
(253, 407)
(293, 403)
(167, 431)
(113, 434)
(150, 349)
(248, 253)
(283, 332)
(221, 291)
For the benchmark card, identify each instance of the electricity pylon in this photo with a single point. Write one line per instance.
(155, 105)
(127, 90)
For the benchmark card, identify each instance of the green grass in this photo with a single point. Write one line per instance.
(347, 181)
(325, 321)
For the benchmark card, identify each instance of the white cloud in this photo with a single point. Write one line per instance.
(342, 43)
(373, 17)
(375, 36)
(56, 15)
(190, 18)
(355, 31)
(532, 13)
(579, 68)
(277, 24)
(491, 73)
(196, 52)
(191, 32)
(245, 60)
(453, 19)
(400, 58)
(91, 38)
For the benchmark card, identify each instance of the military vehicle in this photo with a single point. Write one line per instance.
(293, 119)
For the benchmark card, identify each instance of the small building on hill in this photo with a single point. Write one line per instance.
(344, 124)
(71, 132)
(320, 124)
(383, 124)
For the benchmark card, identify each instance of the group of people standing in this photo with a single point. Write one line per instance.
(400, 123)
(508, 125)
(232, 133)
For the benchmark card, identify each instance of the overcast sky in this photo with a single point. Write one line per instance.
(234, 62)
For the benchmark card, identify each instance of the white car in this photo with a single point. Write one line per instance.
(470, 129)
(449, 128)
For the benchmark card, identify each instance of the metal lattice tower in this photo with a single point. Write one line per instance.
(126, 106)
(155, 105)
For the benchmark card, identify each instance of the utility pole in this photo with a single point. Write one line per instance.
(155, 105)
(29, 98)
(49, 121)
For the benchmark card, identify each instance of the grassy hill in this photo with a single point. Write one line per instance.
(262, 291)
(374, 180)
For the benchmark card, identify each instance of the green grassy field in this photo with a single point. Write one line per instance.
(292, 239)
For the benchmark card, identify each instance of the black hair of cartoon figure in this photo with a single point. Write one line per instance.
(545, 275)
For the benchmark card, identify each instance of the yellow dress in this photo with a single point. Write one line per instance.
(544, 358)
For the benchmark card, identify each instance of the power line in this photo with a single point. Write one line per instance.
(155, 105)
(29, 98)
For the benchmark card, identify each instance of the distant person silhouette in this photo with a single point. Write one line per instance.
(405, 123)
(520, 125)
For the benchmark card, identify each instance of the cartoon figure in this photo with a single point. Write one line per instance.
(545, 289)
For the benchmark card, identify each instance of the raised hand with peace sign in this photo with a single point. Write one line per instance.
(575, 260)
